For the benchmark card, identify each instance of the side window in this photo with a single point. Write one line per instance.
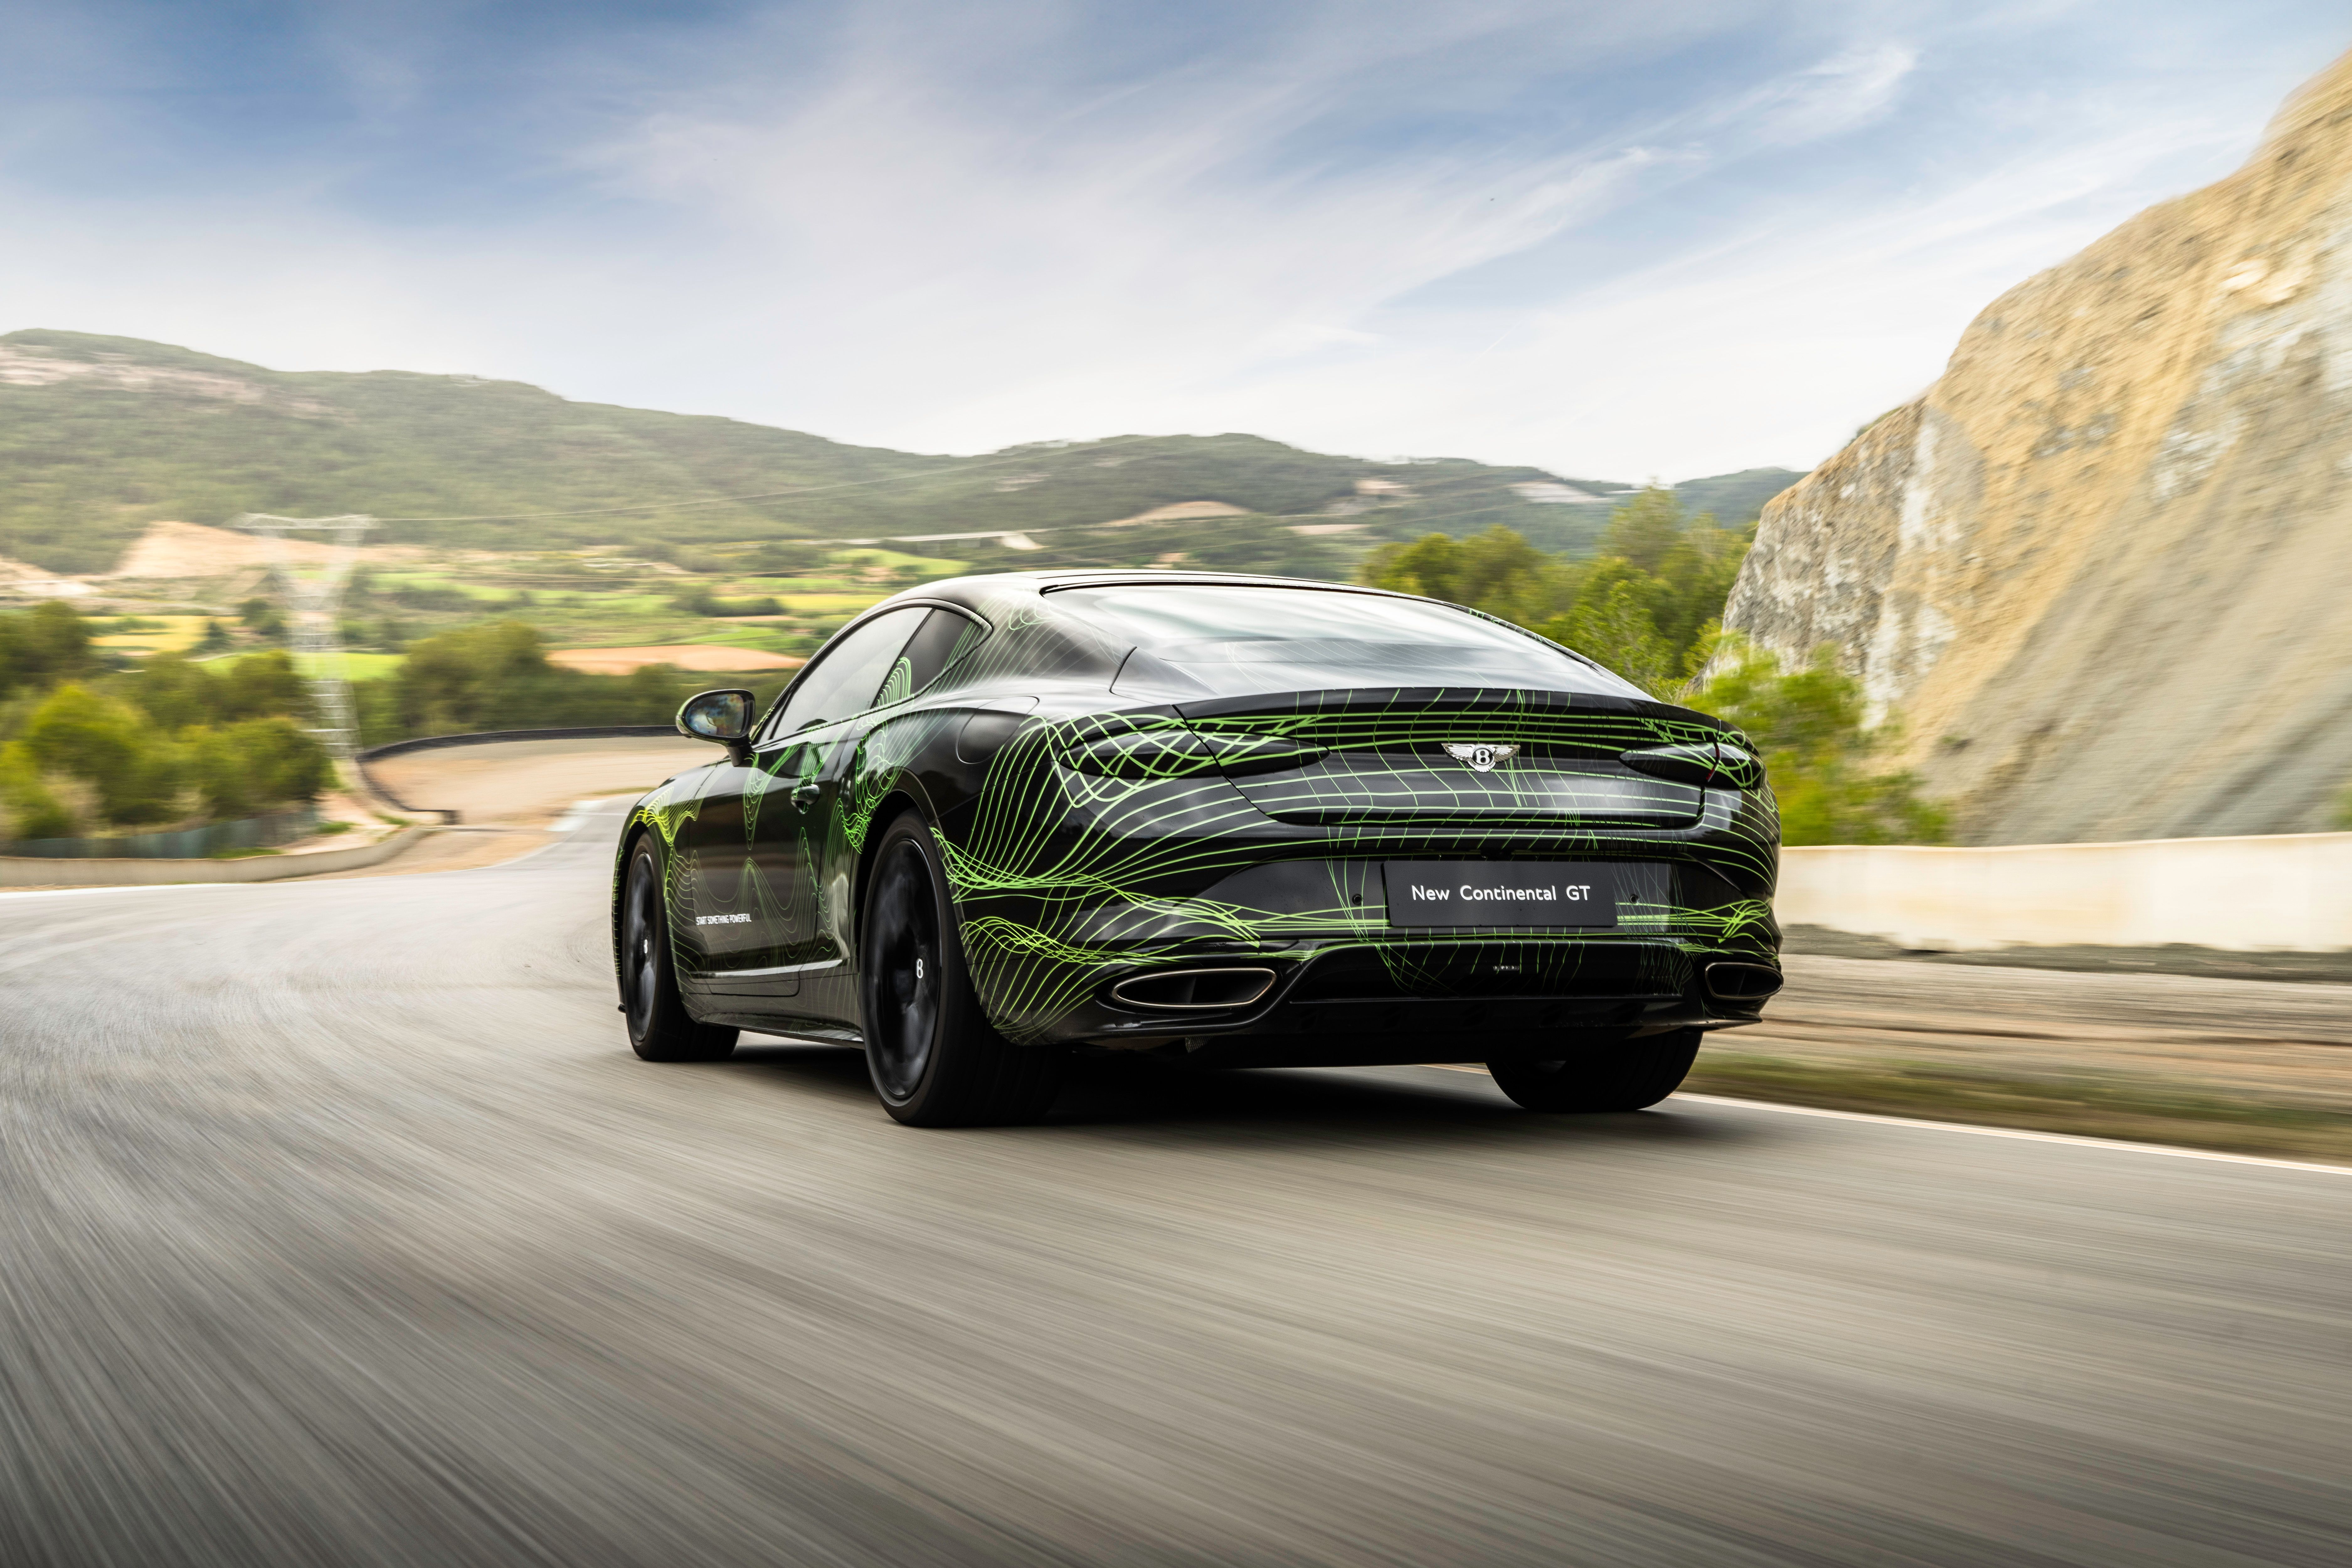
(848, 671)
(944, 638)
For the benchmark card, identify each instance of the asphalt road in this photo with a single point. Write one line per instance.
(338, 1226)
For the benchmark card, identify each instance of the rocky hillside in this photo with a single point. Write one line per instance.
(2101, 570)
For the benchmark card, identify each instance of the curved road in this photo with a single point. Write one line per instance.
(339, 1226)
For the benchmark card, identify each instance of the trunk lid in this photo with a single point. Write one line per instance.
(1406, 755)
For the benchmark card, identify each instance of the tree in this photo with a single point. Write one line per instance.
(1614, 621)
(255, 763)
(1497, 572)
(1640, 607)
(109, 745)
(1807, 724)
(176, 691)
(261, 617)
(45, 644)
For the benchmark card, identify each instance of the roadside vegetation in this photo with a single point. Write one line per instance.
(92, 743)
(176, 717)
(498, 677)
(95, 742)
(1649, 604)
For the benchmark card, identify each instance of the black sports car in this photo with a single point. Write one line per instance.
(1241, 821)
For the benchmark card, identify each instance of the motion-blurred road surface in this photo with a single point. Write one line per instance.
(338, 1226)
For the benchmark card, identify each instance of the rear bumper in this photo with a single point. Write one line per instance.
(1477, 999)
(1048, 933)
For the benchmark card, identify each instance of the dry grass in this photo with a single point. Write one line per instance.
(2114, 1105)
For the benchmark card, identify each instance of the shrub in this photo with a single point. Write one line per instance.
(789, 557)
(29, 807)
(702, 602)
(443, 599)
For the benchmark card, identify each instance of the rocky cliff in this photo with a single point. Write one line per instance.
(2101, 570)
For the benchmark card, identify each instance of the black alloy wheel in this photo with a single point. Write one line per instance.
(901, 964)
(934, 1059)
(660, 1028)
(1631, 1076)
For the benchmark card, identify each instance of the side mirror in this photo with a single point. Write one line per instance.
(724, 717)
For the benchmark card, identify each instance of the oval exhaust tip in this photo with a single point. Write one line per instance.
(1742, 982)
(1194, 990)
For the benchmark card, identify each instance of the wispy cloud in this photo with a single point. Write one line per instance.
(1842, 93)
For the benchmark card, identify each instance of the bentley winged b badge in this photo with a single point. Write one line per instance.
(1482, 759)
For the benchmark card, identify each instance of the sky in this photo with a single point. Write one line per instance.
(1614, 240)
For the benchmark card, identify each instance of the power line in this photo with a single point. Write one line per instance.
(314, 599)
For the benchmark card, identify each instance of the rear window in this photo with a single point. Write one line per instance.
(1245, 637)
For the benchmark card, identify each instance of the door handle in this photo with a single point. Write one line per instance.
(804, 795)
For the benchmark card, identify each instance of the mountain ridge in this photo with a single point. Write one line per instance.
(101, 435)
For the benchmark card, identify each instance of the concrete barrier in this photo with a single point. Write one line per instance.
(374, 787)
(2289, 892)
(25, 871)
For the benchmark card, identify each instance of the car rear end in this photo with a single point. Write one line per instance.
(1299, 855)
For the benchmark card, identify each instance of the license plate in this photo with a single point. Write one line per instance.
(1501, 893)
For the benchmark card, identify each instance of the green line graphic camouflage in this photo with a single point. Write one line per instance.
(1112, 832)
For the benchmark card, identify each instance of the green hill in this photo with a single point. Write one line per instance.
(1736, 500)
(100, 436)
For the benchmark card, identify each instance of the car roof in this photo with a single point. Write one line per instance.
(981, 586)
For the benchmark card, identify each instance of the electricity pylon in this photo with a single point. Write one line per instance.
(315, 598)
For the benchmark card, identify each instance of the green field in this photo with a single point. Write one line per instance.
(356, 665)
(175, 634)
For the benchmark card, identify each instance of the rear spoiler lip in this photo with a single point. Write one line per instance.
(1469, 700)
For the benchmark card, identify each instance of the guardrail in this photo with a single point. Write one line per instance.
(485, 738)
(183, 844)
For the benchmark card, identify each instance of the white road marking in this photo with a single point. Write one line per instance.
(2175, 1151)
(129, 888)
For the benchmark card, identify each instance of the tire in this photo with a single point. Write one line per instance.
(934, 1059)
(1630, 1076)
(660, 1028)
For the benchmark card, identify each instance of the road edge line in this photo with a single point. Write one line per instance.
(2030, 1134)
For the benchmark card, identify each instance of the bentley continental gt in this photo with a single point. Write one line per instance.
(1237, 821)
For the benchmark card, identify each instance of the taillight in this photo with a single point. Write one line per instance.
(1153, 746)
(1723, 765)
(1134, 747)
